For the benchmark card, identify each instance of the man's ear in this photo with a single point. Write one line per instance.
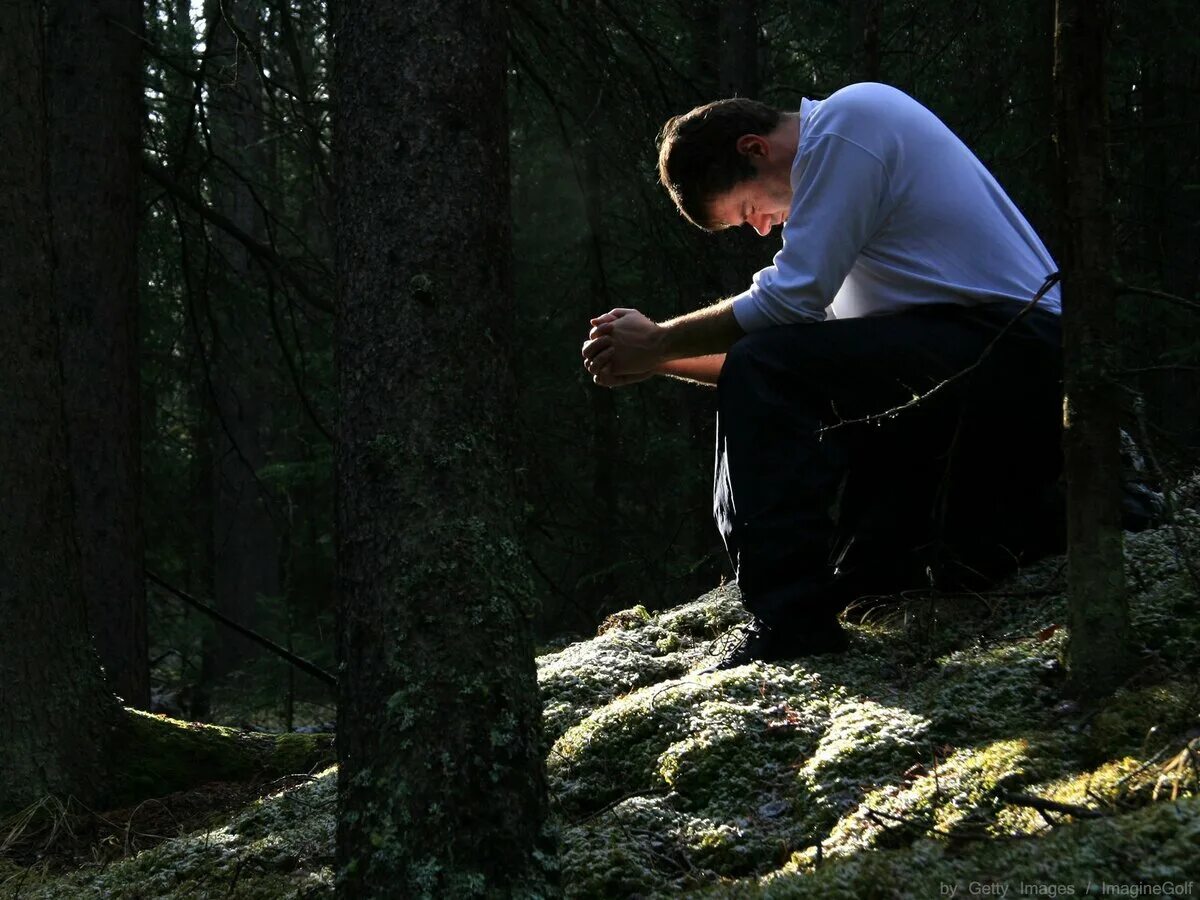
(752, 145)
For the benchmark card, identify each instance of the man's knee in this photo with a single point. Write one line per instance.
(740, 359)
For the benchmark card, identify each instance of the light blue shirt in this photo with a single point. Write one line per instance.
(890, 210)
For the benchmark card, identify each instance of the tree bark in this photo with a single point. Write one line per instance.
(95, 118)
(1099, 655)
(56, 713)
(441, 781)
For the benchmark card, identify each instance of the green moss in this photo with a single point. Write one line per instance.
(1145, 719)
(281, 846)
(1156, 845)
(634, 651)
(904, 762)
(162, 755)
(865, 745)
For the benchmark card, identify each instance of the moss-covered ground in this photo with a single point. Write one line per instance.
(941, 756)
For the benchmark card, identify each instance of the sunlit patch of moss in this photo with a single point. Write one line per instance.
(617, 749)
(708, 617)
(1100, 790)
(864, 746)
(950, 796)
(1155, 845)
(635, 617)
(995, 691)
(637, 650)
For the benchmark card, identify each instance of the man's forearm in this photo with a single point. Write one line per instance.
(707, 331)
(699, 369)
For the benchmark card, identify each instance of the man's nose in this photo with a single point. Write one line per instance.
(762, 225)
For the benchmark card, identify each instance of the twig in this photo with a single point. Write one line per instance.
(237, 873)
(269, 501)
(877, 814)
(1051, 280)
(1164, 367)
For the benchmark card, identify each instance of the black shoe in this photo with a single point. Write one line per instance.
(759, 641)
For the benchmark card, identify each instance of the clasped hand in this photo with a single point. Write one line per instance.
(622, 348)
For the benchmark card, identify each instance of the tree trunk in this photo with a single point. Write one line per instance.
(600, 588)
(866, 17)
(246, 537)
(441, 780)
(95, 119)
(737, 53)
(731, 259)
(56, 713)
(1099, 654)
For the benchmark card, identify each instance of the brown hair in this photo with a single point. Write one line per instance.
(698, 159)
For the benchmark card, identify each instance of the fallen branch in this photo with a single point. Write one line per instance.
(299, 662)
(1042, 805)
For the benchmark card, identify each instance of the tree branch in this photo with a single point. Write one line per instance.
(299, 662)
(1051, 280)
(1126, 289)
(261, 251)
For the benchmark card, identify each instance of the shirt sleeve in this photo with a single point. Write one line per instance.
(841, 198)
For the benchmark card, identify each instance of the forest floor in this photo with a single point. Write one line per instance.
(940, 756)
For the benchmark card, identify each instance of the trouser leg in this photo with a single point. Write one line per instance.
(788, 450)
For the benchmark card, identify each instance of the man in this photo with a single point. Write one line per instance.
(905, 271)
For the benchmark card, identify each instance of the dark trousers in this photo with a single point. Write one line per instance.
(816, 509)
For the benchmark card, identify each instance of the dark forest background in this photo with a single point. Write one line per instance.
(235, 345)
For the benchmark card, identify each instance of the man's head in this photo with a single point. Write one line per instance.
(728, 163)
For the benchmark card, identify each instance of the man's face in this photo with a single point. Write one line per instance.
(762, 202)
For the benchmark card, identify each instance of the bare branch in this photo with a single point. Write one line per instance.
(283, 267)
(1127, 289)
(1042, 805)
(1051, 280)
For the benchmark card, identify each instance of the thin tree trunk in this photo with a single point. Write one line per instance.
(738, 46)
(732, 258)
(246, 537)
(1099, 617)
(603, 402)
(441, 777)
(865, 49)
(56, 713)
(94, 94)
